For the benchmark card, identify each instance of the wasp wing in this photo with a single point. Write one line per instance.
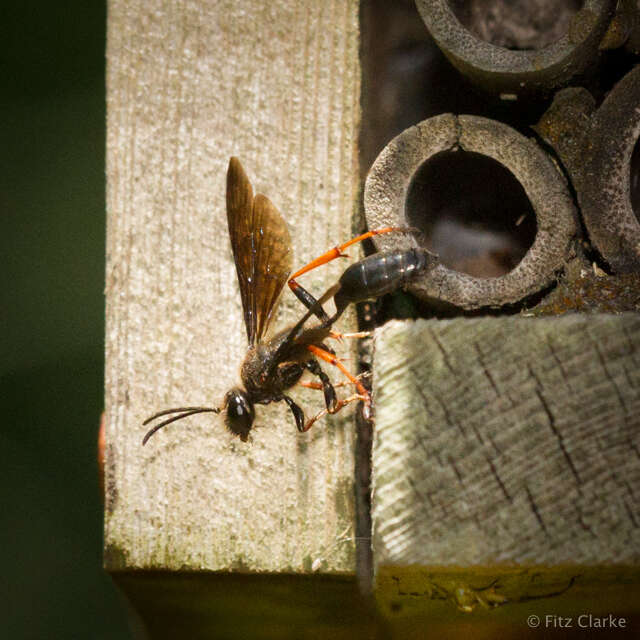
(273, 260)
(239, 220)
(261, 247)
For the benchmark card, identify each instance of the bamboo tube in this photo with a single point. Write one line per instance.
(393, 172)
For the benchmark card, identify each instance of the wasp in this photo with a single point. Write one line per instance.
(262, 253)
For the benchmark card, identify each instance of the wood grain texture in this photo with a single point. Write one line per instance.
(507, 441)
(190, 84)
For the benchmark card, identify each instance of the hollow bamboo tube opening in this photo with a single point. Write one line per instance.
(392, 199)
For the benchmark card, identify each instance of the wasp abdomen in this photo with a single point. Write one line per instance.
(381, 273)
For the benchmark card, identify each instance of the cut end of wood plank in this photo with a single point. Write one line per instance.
(507, 441)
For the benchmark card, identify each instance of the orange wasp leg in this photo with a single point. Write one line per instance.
(341, 403)
(337, 252)
(336, 362)
(336, 335)
(362, 394)
(310, 384)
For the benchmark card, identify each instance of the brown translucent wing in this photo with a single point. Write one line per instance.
(261, 247)
(239, 220)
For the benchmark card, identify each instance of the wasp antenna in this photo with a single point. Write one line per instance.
(184, 412)
(166, 412)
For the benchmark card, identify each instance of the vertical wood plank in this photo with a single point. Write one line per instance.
(189, 84)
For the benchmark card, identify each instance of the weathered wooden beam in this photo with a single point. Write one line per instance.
(190, 84)
(506, 467)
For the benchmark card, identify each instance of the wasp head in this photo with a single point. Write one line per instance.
(239, 413)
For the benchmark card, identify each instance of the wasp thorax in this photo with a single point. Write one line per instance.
(239, 413)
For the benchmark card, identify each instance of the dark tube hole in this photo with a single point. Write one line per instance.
(472, 212)
(516, 24)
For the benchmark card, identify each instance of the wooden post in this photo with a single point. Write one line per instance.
(506, 470)
(190, 84)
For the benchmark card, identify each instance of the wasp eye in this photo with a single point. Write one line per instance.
(239, 413)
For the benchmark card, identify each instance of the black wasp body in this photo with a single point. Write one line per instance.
(262, 253)
(378, 274)
(269, 369)
(369, 278)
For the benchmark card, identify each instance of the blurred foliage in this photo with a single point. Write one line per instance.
(52, 311)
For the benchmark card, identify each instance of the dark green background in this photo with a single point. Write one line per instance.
(52, 127)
